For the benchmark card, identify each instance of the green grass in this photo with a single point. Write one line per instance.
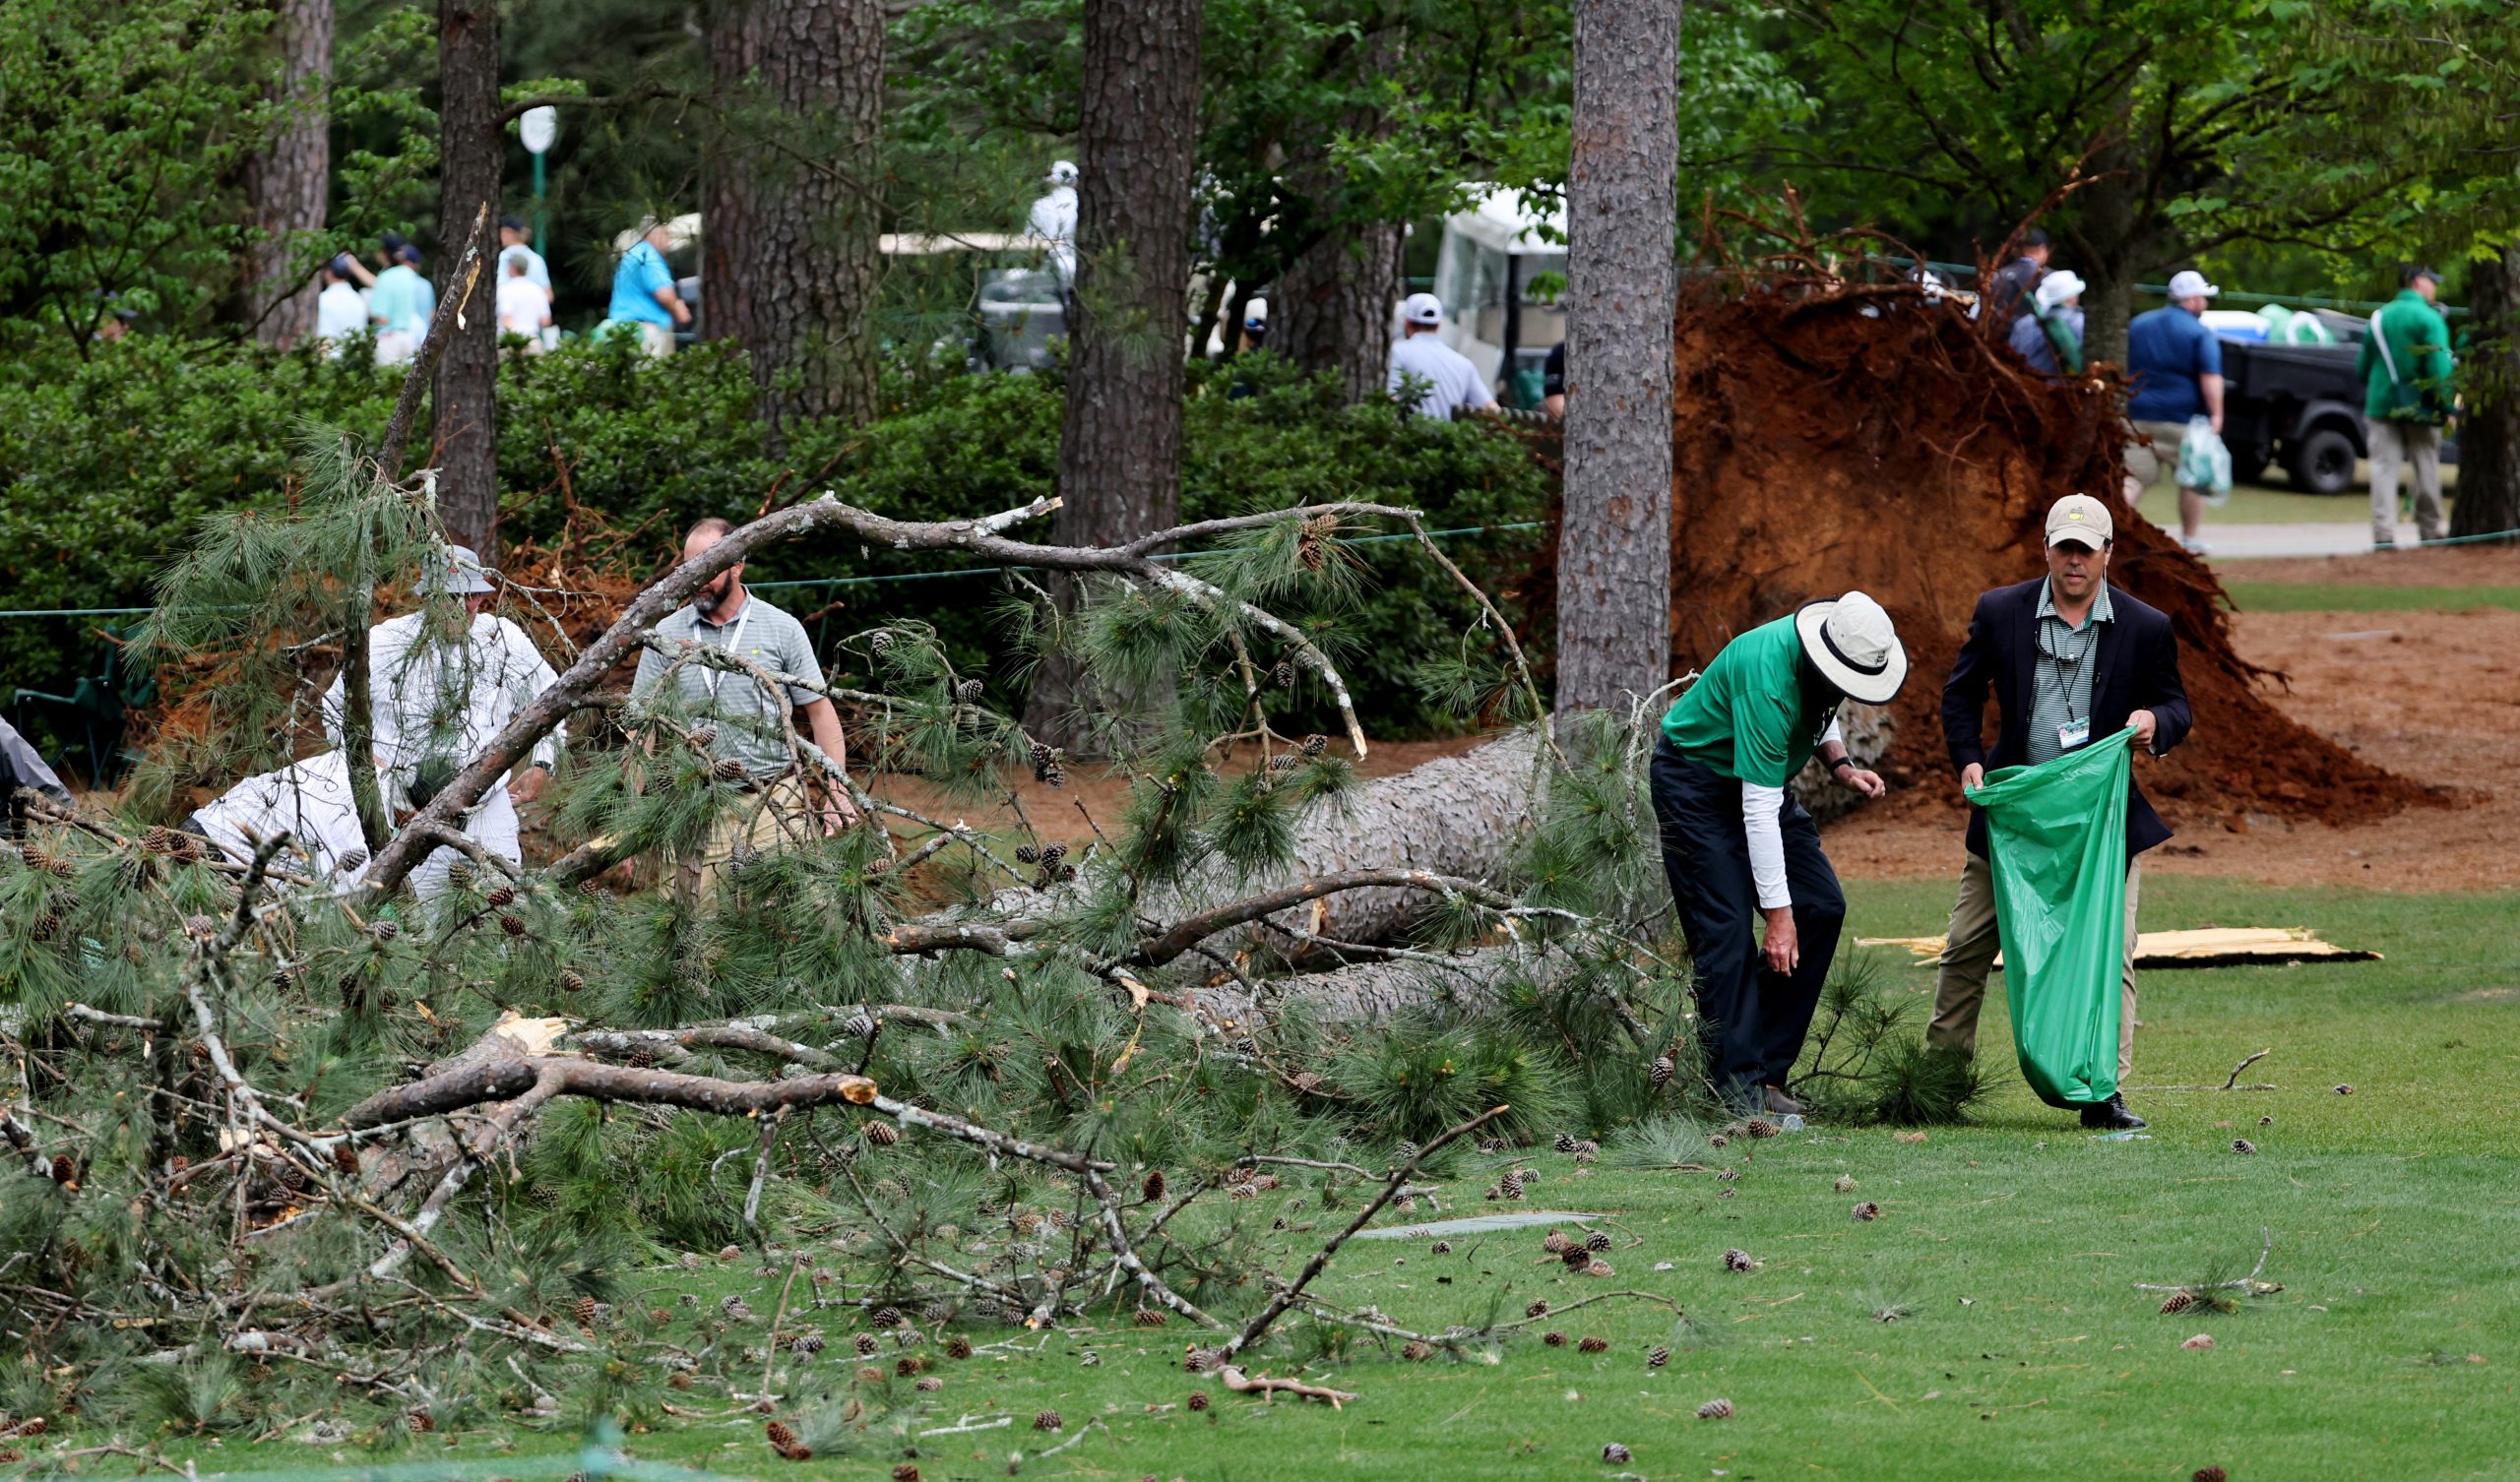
(2015, 1243)
(2276, 502)
(2319, 596)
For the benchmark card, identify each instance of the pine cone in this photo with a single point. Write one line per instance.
(1417, 1351)
(908, 1471)
(1553, 1338)
(679, 1380)
(2243, 1144)
(383, 929)
(957, 1348)
(702, 736)
(1441, 1248)
(781, 1438)
(1616, 1454)
(2209, 1474)
(868, 1373)
(1661, 1071)
(1593, 1345)
(1199, 1360)
(883, 1135)
(1152, 1188)
(928, 1384)
(1867, 1209)
(878, 641)
(937, 1311)
(1315, 744)
(572, 980)
(460, 875)
(1048, 1420)
(1716, 1409)
(1052, 853)
(1845, 1184)
(908, 1365)
(2201, 1340)
(1490, 1144)
(420, 1421)
(1760, 1127)
(1285, 761)
(65, 1172)
(867, 1343)
(737, 1309)
(1738, 1261)
(1282, 674)
(1026, 854)
(504, 895)
(1599, 1268)
(1090, 1359)
(2176, 1303)
(726, 769)
(1565, 1142)
(1657, 1356)
(1198, 1399)
(1554, 1242)
(1718, 1140)
(1598, 1241)
(968, 690)
(883, 1317)
(1576, 1258)
(858, 1027)
(1151, 1317)
(349, 862)
(1538, 1308)
(1511, 1184)
(512, 924)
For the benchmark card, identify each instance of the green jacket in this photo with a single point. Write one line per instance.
(2418, 341)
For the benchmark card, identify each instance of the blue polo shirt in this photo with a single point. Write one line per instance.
(2167, 349)
(642, 272)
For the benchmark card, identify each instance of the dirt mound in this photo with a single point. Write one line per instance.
(1818, 447)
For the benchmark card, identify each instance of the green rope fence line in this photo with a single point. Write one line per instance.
(909, 575)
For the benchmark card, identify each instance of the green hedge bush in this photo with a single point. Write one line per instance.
(106, 463)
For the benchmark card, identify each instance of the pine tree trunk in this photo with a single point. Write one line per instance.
(471, 148)
(811, 265)
(1332, 311)
(2103, 239)
(725, 205)
(2489, 493)
(1120, 448)
(1614, 554)
(286, 185)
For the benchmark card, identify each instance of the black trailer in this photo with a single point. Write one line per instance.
(2300, 404)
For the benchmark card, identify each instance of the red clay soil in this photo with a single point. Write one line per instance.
(1817, 449)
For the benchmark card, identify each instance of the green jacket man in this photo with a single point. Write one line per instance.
(2406, 368)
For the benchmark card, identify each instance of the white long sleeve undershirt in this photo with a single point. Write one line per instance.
(1760, 807)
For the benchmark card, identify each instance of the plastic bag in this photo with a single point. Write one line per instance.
(2056, 846)
(2204, 464)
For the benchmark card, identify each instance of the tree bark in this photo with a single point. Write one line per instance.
(1332, 311)
(2489, 493)
(1614, 554)
(285, 186)
(471, 149)
(811, 264)
(725, 205)
(1120, 448)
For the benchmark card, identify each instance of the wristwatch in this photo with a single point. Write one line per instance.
(1848, 762)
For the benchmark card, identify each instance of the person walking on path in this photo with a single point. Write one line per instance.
(643, 292)
(1740, 850)
(2009, 294)
(1427, 375)
(2067, 659)
(2177, 366)
(2050, 332)
(744, 715)
(444, 680)
(2405, 366)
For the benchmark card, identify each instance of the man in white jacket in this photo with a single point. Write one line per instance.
(443, 681)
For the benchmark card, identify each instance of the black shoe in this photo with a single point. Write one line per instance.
(2112, 1115)
(1779, 1102)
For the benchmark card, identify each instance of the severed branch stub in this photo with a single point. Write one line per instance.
(1233, 1378)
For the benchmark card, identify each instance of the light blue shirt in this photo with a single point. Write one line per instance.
(642, 272)
(401, 300)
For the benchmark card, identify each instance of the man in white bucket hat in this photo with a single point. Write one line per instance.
(1740, 851)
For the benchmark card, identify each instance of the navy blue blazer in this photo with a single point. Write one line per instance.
(2136, 667)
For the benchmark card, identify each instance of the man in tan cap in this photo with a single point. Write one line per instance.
(2068, 660)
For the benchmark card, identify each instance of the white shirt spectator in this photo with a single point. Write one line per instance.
(448, 700)
(1053, 218)
(310, 800)
(522, 306)
(340, 315)
(536, 272)
(1444, 379)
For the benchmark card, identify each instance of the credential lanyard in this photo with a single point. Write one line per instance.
(734, 647)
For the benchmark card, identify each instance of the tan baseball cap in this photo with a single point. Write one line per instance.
(2082, 519)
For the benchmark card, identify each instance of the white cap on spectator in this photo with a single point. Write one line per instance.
(2059, 287)
(1422, 308)
(2188, 283)
(1062, 173)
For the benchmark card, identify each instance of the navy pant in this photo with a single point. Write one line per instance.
(1752, 1020)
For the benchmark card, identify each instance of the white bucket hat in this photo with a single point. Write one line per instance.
(1060, 172)
(2058, 286)
(1852, 644)
(459, 573)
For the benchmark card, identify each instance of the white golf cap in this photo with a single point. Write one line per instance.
(2081, 518)
(2059, 287)
(2188, 283)
(1062, 173)
(1853, 646)
(459, 573)
(1422, 308)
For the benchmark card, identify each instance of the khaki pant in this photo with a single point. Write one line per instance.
(2394, 445)
(1969, 954)
(2154, 453)
(778, 814)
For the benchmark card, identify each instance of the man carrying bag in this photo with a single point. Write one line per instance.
(2405, 366)
(2067, 660)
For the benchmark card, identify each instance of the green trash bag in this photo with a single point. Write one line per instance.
(2056, 842)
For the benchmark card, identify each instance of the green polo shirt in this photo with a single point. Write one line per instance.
(1747, 716)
